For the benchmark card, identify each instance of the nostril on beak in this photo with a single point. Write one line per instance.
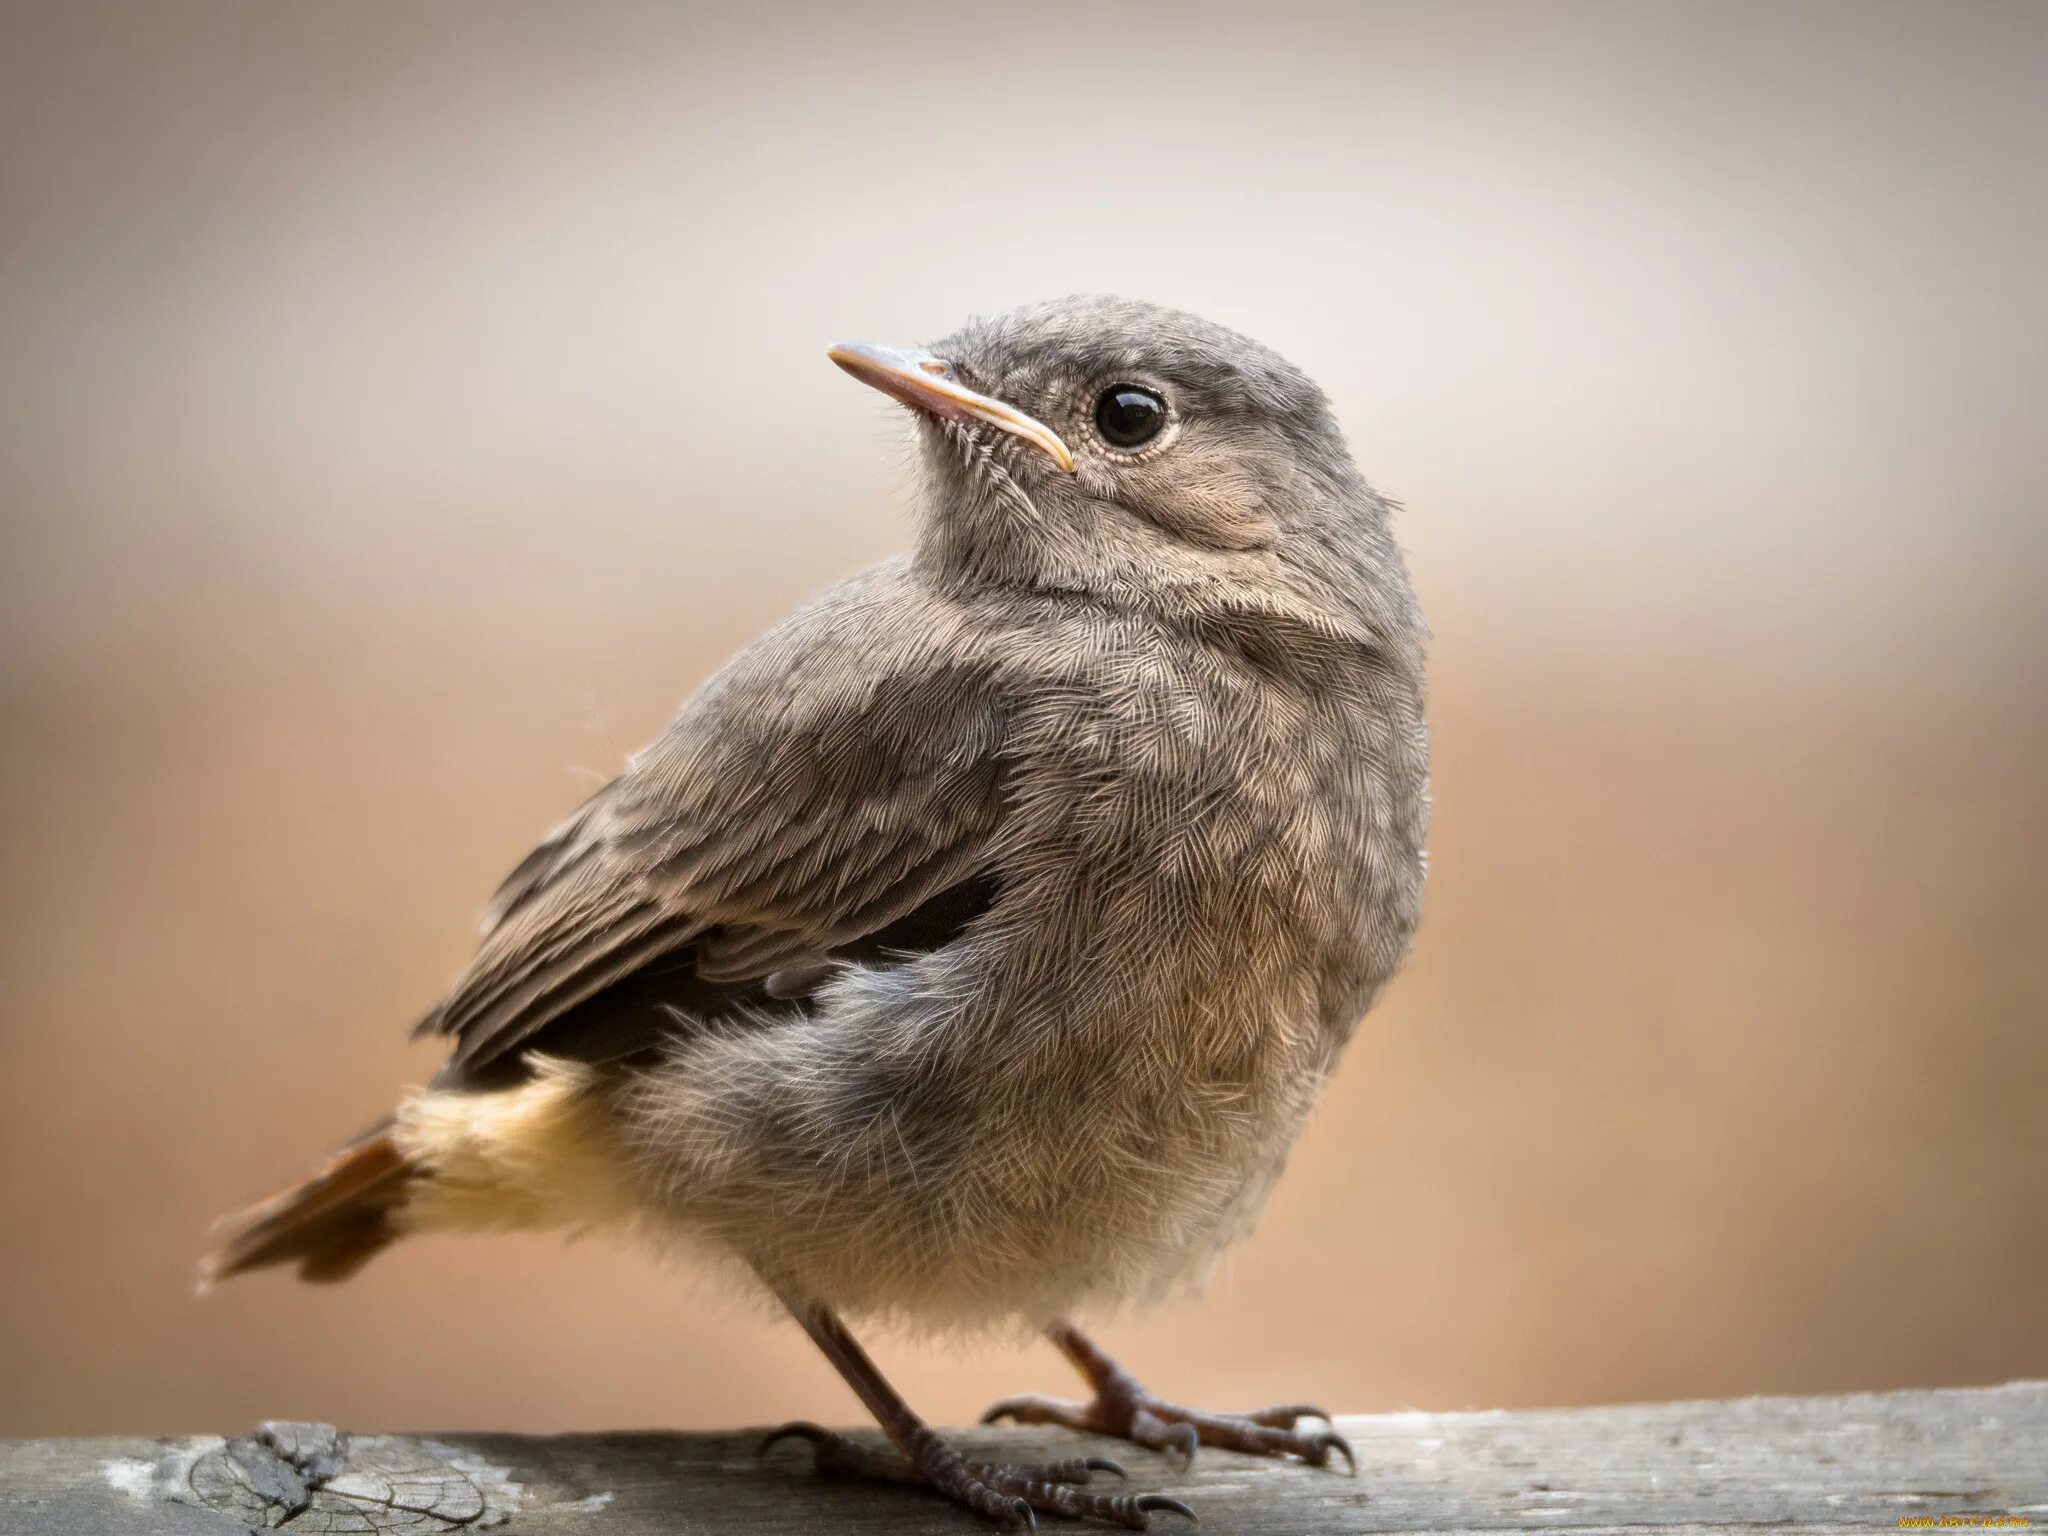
(934, 365)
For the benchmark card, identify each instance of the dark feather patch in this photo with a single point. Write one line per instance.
(793, 818)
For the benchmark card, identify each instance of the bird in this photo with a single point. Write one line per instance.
(971, 949)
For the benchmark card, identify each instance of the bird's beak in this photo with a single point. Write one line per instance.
(930, 384)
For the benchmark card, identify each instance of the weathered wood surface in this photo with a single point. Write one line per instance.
(1781, 1465)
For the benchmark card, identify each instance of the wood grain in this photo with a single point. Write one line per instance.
(1823, 1464)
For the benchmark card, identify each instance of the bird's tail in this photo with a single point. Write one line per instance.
(536, 1156)
(330, 1223)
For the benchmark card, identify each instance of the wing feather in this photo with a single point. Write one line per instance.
(841, 773)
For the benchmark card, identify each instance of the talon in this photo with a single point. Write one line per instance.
(800, 1429)
(1006, 1409)
(1187, 1440)
(1159, 1501)
(1104, 1464)
(1324, 1444)
(1022, 1509)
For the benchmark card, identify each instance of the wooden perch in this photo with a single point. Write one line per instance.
(1819, 1464)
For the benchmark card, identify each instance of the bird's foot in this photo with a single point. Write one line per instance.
(1008, 1496)
(1146, 1420)
(1124, 1409)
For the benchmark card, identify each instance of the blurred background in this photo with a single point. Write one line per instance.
(402, 407)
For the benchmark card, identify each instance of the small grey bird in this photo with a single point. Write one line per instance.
(974, 945)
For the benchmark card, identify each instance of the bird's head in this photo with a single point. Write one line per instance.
(1138, 455)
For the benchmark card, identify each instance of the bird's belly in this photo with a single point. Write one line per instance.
(969, 1181)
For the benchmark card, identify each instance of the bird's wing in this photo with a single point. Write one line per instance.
(841, 774)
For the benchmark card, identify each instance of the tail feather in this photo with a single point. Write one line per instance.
(330, 1223)
(530, 1157)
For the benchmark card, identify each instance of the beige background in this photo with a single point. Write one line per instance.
(401, 407)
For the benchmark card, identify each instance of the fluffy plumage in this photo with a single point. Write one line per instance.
(976, 942)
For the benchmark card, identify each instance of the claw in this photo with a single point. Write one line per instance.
(1187, 1440)
(799, 1429)
(1022, 1509)
(1104, 1464)
(1324, 1444)
(1160, 1501)
(1006, 1409)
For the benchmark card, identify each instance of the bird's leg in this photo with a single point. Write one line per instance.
(1122, 1407)
(1010, 1496)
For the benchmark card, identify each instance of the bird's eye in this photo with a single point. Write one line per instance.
(1129, 417)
